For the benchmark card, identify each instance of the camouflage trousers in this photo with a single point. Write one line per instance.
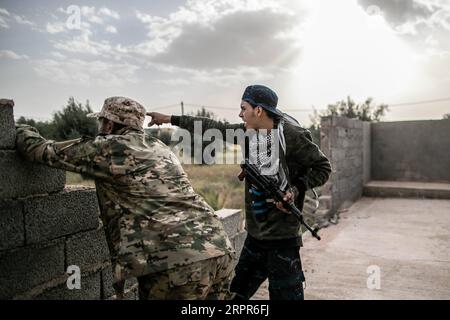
(281, 266)
(207, 279)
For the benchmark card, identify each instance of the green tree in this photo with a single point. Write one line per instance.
(203, 113)
(45, 128)
(314, 128)
(71, 122)
(365, 111)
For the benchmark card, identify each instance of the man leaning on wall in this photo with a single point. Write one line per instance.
(157, 228)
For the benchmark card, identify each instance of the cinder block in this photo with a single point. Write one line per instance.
(324, 141)
(20, 178)
(67, 212)
(338, 154)
(231, 220)
(7, 126)
(326, 121)
(325, 202)
(357, 124)
(340, 121)
(11, 225)
(405, 190)
(87, 248)
(238, 242)
(107, 283)
(90, 290)
(322, 213)
(24, 268)
(342, 132)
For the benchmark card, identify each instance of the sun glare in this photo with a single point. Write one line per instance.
(349, 50)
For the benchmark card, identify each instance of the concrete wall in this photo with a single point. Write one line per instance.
(46, 226)
(346, 144)
(233, 222)
(367, 151)
(411, 151)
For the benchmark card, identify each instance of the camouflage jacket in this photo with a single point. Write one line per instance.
(308, 168)
(152, 217)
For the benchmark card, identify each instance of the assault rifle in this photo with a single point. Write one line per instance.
(264, 183)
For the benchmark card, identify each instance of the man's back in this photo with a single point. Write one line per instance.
(158, 229)
(154, 218)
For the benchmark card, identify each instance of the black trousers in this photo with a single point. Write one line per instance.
(281, 265)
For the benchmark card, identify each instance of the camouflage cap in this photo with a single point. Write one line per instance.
(122, 110)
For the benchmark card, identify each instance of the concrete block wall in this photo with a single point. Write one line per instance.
(367, 151)
(346, 143)
(411, 151)
(7, 132)
(46, 227)
(233, 222)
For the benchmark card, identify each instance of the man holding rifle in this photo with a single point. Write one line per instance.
(271, 249)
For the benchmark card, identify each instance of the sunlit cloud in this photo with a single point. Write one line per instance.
(9, 54)
(311, 52)
(86, 73)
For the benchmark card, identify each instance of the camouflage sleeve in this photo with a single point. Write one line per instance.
(192, 124)
(309, 155)
(81, 155)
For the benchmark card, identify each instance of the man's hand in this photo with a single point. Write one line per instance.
(288, 197)
(158, 118)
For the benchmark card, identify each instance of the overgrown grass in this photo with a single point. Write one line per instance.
(218, 184)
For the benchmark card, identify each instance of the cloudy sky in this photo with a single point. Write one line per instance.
(205, 52)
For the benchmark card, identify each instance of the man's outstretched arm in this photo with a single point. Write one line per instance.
(78, 155)
(189, 122)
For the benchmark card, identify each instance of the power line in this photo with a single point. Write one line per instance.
(418, 102)
(302, 110)
(311, 110)
(166, 107)
(235, 108)
(209, 107)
